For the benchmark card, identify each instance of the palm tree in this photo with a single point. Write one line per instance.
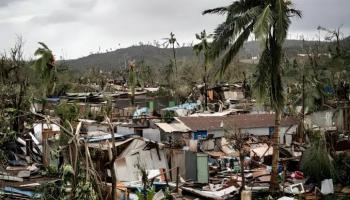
(172, 41)
(269, 21)
(204, 46)
(45, 67)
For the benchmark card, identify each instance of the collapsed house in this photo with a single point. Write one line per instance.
(191, 151)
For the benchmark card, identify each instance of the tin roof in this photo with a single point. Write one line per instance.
(238, 121)
(173, 127)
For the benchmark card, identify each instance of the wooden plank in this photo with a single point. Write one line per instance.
(46, 151)
(23, 174)
(11, 178)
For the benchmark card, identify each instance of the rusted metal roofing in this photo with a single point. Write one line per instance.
(238, 121)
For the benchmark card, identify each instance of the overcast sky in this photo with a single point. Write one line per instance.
(74, 28)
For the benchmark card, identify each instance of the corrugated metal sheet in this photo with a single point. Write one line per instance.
(261, 150)
(173, 127)
(202, 168)
(127, 169)
(178, 160)
(151, 134)
(191, 165)
(104, 145)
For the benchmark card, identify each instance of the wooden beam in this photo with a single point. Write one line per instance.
(11, 178)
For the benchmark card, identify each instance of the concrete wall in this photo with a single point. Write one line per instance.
(217, 133)
(285, 136)
(256, 131)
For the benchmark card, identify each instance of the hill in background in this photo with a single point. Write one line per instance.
(159, 57)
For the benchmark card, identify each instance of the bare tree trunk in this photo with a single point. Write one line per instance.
(174, 54)
(112, 169)
(205, 88)
(274, 187)
(301, 139)
(132, 97)
(112, 154)
(241, 160)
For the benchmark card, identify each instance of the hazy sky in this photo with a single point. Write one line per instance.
(74, 28)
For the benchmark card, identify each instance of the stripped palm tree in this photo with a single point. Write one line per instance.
(132, 81)
(45, 67)
(269, 21)
(204, 46)
(172, 41)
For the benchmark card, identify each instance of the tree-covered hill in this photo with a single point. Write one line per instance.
(159, 57)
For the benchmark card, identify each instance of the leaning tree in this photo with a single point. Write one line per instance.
(269, 21)
(44, 65)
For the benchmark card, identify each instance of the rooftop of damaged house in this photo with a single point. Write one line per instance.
(222, 118)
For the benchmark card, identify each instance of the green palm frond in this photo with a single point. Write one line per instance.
(44, 66)
(203, 46)
(235, 47)
(282, 21)
(261, 84)
(243, 20)
(269, 21)
(44, 45)
(198, 49)
(293, 12)
(222, 38)
(219, 10)
(262, 25)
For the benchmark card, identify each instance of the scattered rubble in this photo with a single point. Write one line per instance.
(188, 153)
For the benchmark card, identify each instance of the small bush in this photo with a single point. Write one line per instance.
(316, 161)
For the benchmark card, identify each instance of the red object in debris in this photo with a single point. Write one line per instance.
(298, 175)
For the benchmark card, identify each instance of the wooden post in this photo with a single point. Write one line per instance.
(29, 147)
(165, 176)
(177, 179)
(274, 187)
(46, 151)
(112, 169)
(284, 173)
(246, 195)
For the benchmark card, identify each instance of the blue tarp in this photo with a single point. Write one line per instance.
(200, 135)
(141, 112)
(22, 192)
(328, 89)
(186, 106)
(53, 99)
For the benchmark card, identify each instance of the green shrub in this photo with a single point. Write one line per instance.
(316, 161)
